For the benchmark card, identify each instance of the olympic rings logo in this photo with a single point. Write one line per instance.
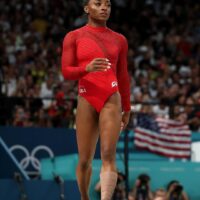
(30, 158)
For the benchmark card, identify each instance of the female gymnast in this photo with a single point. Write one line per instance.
(96, 56)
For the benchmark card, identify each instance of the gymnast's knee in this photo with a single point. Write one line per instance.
(84, 164)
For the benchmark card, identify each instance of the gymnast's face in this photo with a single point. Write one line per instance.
(98, 10)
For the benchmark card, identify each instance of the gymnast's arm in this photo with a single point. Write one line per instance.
(70, 70)
(123, 76)
(124, 82)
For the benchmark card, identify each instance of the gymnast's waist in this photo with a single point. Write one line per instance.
(96, 86)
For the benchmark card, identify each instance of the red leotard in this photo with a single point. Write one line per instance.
(80, 47)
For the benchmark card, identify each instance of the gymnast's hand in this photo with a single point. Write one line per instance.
(98, 64)
(125, 119)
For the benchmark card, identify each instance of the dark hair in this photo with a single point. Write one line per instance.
(144, 177)
(85, 2)
(171, 183)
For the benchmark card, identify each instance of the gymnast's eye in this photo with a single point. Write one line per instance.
(108, 4)
(97, 4)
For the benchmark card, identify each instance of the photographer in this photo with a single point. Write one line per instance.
(141, 190)
(175, 191)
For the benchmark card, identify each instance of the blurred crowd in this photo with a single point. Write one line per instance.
(163, 58)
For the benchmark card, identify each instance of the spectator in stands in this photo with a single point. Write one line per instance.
(22, 117)
(42, 119)
(47, 91)
(192, 117)
(161, 110)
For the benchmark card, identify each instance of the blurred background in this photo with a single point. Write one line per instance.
(161, 146)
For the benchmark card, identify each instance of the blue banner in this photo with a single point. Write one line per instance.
(30, 145)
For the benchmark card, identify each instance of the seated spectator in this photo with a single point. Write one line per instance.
(161, 110)
(192, 117)
(21, 117)
(42, 119)
(47, 91)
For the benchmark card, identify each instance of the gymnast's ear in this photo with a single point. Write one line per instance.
(86, 9)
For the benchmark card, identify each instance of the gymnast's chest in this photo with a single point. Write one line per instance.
(88, 48)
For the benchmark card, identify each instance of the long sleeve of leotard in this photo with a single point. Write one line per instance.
(122, 76)
(70, 70)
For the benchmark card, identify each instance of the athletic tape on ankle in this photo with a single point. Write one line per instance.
(108, 184)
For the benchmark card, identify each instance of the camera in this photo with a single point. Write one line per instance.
(143, 181)
(178, 189)
(175, 189)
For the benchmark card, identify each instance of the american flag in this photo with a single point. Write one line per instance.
(163, 136)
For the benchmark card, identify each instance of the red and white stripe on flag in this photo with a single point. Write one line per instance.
(171, 139)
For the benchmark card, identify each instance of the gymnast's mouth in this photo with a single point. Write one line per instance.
(104, 14)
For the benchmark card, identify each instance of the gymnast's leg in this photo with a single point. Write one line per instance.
(87, 137)
(109, 124)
